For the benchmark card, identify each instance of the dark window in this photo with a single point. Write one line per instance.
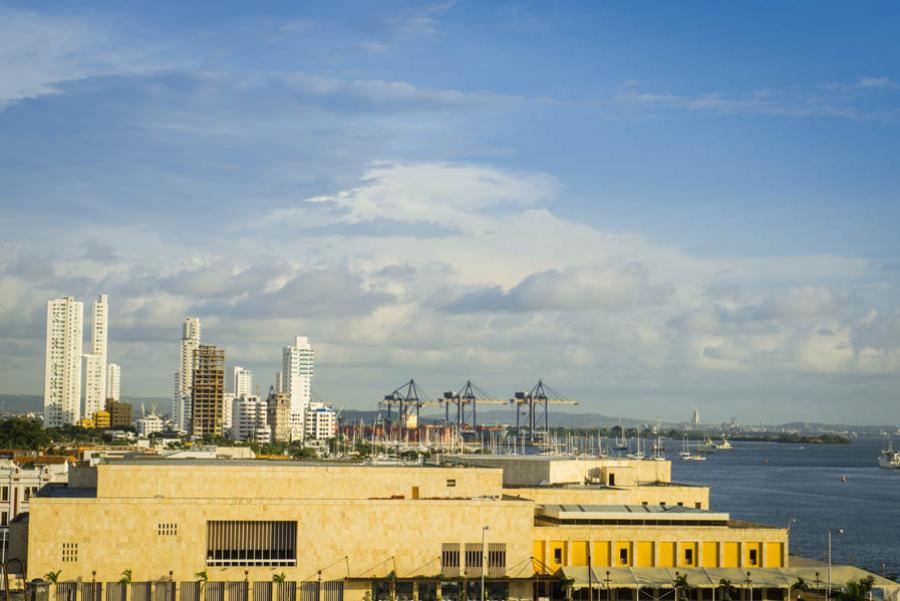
(752, 557)
(496, 557)
(69, 552)
(450, 591)
(623, 557)
(612, 479)
(681, 503)
(381, 590)
(4, 494)
(404, 591)
(251, 543)
(451, 483)
(689, 557)
(698, 505)
(557, 555)
(428, 591)
(4, 519)
(450, 559)
(473, 557)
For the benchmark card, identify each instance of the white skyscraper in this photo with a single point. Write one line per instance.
(249, 419)
(113, 381)
(243, 382)
(297, 373)
(62, 367)
(181, 403)
(95, 362)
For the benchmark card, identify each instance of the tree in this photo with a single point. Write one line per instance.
(278, 583)
(857, 590)
(202, 579)
(23, 433)
(124, 581)
(727, 589)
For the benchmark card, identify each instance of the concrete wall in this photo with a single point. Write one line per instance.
(689, 496)
(538, 470)
(262, 480)
(375, 536)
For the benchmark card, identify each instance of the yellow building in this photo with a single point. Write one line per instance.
(102, 419)
(358, 532)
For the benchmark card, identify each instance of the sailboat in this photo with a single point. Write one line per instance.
(638, 454)
(685, 450)
(621, 443)
(686, 455)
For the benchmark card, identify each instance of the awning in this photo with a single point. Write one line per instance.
(710, 577)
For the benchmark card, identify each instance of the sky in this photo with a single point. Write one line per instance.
(652, 206)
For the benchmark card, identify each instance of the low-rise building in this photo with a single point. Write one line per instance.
(320, 422)
(120, 413)
(148, 424)
(249, 419)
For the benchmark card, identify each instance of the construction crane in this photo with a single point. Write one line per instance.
(406, 398)
(466, 400)
(540, 396)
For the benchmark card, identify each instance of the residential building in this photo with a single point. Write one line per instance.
(227, 401)
(102, 419)
(181, 401)
(207, 391)
(62, 366)
(113, 381)
(279, 416)
(148, 424)
(250, 419)
(20, 480)
(279, 386)
(243, 382)
(297, 373)
(120, 414)
(320, 422)
(95, 361)
(695, 418)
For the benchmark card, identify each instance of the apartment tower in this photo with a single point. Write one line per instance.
(297, 373)
(95, 361)
(113, 381)
(62, 366)
(181, 401)
(208, 391)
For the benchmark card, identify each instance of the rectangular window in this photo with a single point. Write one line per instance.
(27, 494)
(623, 557)
(473, 556)
(451, 483)
(4, 493)
(752, 557)
(698, 505)
(450, 559)
(4, 518)
(688, 557)
(496, 556)
(251, 543)
(557, 555)
(69, 552)
(167, 529)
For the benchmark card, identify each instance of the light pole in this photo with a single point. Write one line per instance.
(828, 590)
(484, 529)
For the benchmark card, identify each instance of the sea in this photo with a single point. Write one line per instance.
(809, 488)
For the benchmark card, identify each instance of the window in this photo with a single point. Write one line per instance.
(415, 492)
(557, 555)
(662, 503)
(473, 557)
(688, 557)
(612, 479)
(251, 543)
(4, 493)
(496, 556)
(644, 503)
(752, 557)
(167, 529)
(451, 483)
(698, 505)
(623, 557)
(450, 559)
(69, 552)
(27, 494)
(681, 503)
(4, 518)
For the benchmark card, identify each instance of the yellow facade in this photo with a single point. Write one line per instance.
(101, 419)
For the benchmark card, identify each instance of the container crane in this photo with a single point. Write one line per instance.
(540, 397)
(466, 400)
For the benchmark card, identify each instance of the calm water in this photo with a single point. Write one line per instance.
(802, 485)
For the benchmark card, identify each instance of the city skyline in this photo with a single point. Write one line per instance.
(652, 208)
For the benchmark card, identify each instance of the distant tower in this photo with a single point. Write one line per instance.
(95, 362)
(113, 381)
(695, 417)
(208, 391)
(181, 401)
(296, 381)
(62, 367)
(243, 382)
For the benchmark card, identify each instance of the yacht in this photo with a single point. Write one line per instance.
(889, 458)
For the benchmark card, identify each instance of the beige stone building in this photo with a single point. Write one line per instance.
(227, 529)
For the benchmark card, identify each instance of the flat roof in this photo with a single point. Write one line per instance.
(225, 462)
(630, 512)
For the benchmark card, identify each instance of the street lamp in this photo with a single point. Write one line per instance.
(484, 529)
(828, 590)
(749, 587)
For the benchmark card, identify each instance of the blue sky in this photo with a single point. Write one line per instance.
(655, 206)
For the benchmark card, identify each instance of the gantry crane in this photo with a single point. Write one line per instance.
(406, 397)
(539, 396)
(466, 400)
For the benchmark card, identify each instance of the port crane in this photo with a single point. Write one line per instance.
(466, 400)
(536, 405)
(407, 398)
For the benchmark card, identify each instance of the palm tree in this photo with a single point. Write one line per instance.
(727, 587)
(681, 584)
(800, 586)
(857, 590)
(53, 578)
(202, 579)
(278, 583)
(124, 581)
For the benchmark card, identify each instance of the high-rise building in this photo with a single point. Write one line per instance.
(95, 361)
(62, 367)
(279, 416)
(279, 387)
(695, 417)
(207, 391)
(181, 402)
(227, 400)
(249, 416)
(243, 382)
(297, 373)
(113, 381)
